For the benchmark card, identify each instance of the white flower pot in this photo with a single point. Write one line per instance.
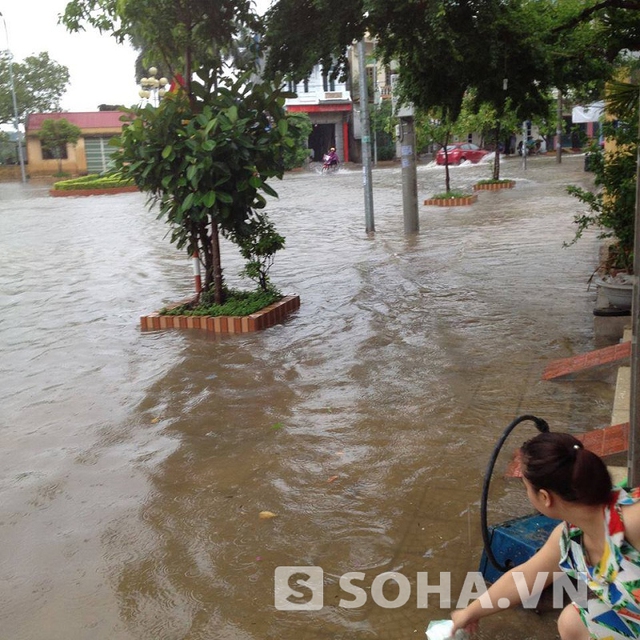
(618, 289)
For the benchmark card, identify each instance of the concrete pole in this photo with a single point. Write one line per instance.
(366, 141)
(559, 128)
(16, 122)
(634, 410)
(409, 176)
(524, 144)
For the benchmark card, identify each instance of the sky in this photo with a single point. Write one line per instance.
(101, 70)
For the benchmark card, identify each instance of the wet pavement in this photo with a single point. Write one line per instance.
(134, 466)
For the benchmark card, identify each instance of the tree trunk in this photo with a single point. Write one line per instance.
(218, 293)
(447, 177)
(496, 160)
(204, 249)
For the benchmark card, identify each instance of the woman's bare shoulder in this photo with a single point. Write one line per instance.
(631, 518)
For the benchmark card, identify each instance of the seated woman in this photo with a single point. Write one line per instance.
(598, 542)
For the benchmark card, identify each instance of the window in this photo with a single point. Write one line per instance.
(58, 153)
(306, 85)
(328, 84)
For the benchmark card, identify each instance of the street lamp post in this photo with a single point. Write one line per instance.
(15, 103)
(152, 88)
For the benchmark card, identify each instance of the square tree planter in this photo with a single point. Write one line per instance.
(273, 314)
(451, 202)
(494, 186)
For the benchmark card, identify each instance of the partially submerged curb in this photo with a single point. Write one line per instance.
(92, 192)
(451, 202)
(494, 186)
(269, 316)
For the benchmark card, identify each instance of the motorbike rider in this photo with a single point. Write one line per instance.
(331, 159)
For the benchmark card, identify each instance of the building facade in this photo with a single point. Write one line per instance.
(328, 104)
(91, 154)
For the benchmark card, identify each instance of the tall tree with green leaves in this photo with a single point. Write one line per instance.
(442, 48)
(55, 135)
(39, 85)
(508, 51)
(206, 152)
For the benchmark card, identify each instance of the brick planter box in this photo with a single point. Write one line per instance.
(273, 314)
(56, 193)
(494, 186)
(451, 202)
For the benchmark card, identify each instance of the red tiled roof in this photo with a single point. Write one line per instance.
(84, 120)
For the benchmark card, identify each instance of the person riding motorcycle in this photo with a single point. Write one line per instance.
(331, 158)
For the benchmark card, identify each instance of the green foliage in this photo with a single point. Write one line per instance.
(494, 181)
(180, 35)
(237, 303)
(611, 208)
(39, 85)
(93, 181)
(205, 154)
(8, 149)
(206, 162)
(383, 124)
(450, 195)
(258, 247)
(55, 135)
(296, 155)
(436, 126)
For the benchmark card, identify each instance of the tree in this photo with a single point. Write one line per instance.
(442, 48)
(205, 154)
(297, 155)
(178, 36)
(503, 50)
(8, 154)
(55, 135)
(611, 207)
(39, 85)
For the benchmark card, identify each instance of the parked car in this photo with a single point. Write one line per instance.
(460, 152)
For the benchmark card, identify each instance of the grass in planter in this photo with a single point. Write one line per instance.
(93, 181)
(492, 181)
(448, 195)
(238, 303)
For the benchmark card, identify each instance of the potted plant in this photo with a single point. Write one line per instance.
(611, 208)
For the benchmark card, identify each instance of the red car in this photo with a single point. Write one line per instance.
(460, 152)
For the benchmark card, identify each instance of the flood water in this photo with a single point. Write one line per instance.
(134, 466)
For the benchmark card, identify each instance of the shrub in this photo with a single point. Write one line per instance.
(237, 303)
(93, 181)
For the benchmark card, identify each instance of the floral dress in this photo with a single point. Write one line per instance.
(613, 601)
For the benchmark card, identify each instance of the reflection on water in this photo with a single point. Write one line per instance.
(135, 466)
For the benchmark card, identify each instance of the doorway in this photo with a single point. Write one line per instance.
(322, 138)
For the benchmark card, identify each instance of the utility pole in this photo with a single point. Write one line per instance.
(633, 462)
(559, 124)
(409, 175)
(16, 122)
(407, 138)
(365, 141)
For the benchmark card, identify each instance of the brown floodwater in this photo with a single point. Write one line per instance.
(134, 466)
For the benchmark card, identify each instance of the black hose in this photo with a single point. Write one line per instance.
(543, 427)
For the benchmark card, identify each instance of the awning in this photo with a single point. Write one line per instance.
(590, 113)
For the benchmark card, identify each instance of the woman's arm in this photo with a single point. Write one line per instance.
(546, 560)
(631, 518)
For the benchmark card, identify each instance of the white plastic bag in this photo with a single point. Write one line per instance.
(441, 630)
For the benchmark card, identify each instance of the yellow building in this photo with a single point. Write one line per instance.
(91, 154)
